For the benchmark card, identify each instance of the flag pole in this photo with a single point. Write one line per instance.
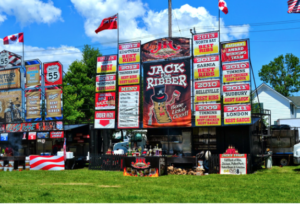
(23, 52)
(118, 28)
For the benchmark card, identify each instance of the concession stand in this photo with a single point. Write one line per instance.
(195, 96)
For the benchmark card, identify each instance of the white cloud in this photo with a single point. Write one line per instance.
(2, 18)
(155, 23)
(29, 11)
(65, 54)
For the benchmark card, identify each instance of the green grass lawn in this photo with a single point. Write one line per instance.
(271, 186)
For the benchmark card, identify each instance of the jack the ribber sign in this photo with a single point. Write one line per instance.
(207, 91)
(206, 43)
(236, 72)
(208, 114)
(237, 114)
(236, 93)
(206, 67)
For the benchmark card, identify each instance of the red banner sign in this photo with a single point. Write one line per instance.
(235, 51)
(105, 83)
(208, 114)
(107, 64)
(104, 119)
(236, 93)
(32, 136)
(105, 101)
(129, 74)
(206, 67)
(237, 114)
(209, 90)
(236, 72)
(59, 134)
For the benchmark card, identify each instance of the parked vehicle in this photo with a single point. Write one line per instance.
(297, 154)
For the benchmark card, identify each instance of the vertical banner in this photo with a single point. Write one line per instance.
(206, 43)
(236, 72)
(107, 64)
(129, 102)
(105, 83)
(104, 120)
(105, 101)
(237, 114)
(129, 74)
(33, 103)
(208, 114)
(130, 52)
(167, 94)
(206, 91)
(33, 74)
(235, 51)
(236, 93)
(53, 73)
(54, 104)
(206, 67)
(10, 79)
(11, 107)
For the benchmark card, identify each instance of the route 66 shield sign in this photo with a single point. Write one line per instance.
(53, 73)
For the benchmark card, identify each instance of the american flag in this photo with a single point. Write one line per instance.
(65, 149)
(47, 163)
(294, 6)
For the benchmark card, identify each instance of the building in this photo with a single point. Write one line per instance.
(281, 107)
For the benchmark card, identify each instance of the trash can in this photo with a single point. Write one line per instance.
(269, 160)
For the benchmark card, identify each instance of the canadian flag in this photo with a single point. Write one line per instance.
(108, 23)
(223, 6)
(13, 39)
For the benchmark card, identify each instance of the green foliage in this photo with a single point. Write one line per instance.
(283, 74)
(79, 87)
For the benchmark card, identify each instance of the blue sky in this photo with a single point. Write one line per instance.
(57, 30)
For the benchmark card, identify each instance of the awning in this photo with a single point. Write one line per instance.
(70, 127)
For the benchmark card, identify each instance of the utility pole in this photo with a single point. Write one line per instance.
(170, 18)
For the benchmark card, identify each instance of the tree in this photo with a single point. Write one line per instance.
(79, 88)
(283, 74)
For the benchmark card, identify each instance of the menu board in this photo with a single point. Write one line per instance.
(129, 106)
(236, 72)
(105, 101)
(105, 83)
(206, 67)
(107, 64)
(129, 74)
(237, 114)
(206, 43)
(33, 104)
(33, 75)
(10, 79)
(130, 52)
(234, 164)
(208, 114)
(209, 90)
(235, 51)
(104, 119)
(236, 93)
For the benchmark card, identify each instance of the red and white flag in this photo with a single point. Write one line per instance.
(108, 23)
(65, 150)
(223, 6)
(13, 39)
(294, 6)
(47, 163)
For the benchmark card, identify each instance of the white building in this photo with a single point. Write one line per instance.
(281, 107)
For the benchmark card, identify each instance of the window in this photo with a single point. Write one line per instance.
(292, 108)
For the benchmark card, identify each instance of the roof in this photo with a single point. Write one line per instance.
(70, 127)
(296, 100)
(264, 84)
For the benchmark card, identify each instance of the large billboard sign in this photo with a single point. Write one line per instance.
(206, 67)
(167, 94)
(165, 48)
(9, 60)
(105, 101)
(208, 90)
(236, 93)
(235, 51)
(11, 106)
(10, 79)
(208, 114)
(129, 101)
(206, 43)
(53, 73)
(129, 52)
(107, 64)
(237, 114)
(129, 74)
(34, 126)
(105, 83)
(236, 72)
